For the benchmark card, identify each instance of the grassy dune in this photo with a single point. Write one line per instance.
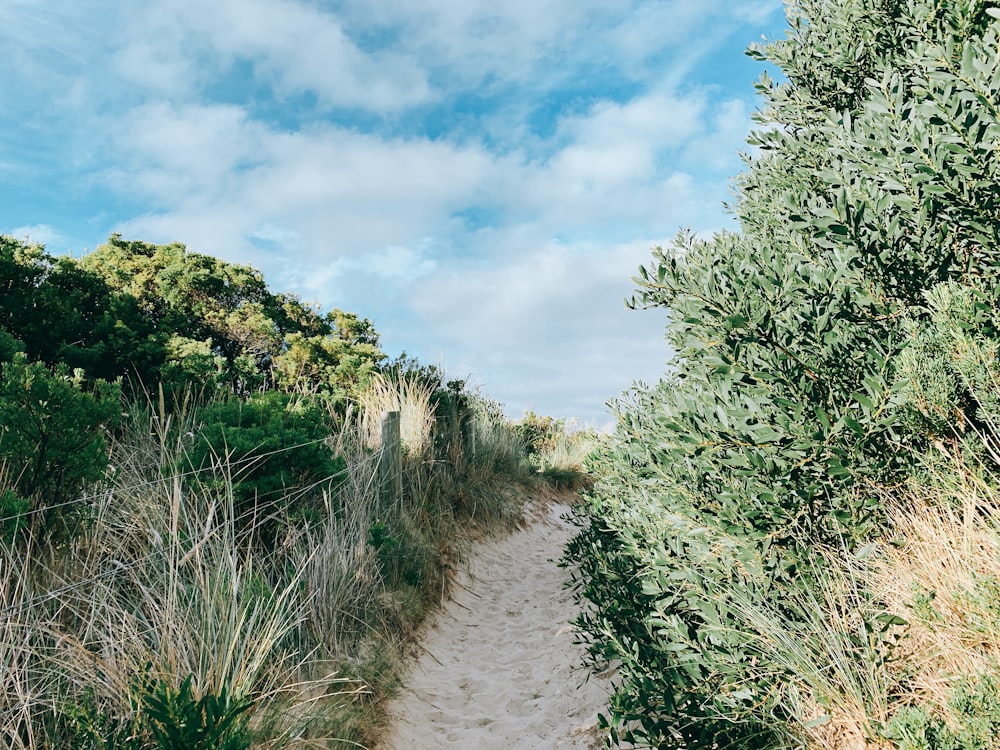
(165, 621)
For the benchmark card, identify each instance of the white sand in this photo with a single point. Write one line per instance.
(499, 668)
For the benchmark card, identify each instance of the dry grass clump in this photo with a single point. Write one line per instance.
(570, 448)
(19, 700)
(821, 643)
(942, 573)
(924, 607)
(563, 464)
(896, 644)
(411, 397)
(839, 688)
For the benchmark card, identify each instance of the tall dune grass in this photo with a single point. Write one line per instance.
(158, 587)
(164, 587)
(411, 397)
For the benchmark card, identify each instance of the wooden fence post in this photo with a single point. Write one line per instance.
(391, 463)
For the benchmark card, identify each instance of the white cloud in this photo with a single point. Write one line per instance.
(487, 205)
(658, 119)
(540, 327)
(480, 38)
(390, 269)
(400, 263)
(212, 173)
(54, 240)
(156, 65)
(367, 223)
(717, 146)
(758, 12)
(477, 43)
(176, 152)
(613, 167)
(292, 46)
(215, 173)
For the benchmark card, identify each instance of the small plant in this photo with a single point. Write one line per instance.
(178, 720)
(163, 717)
(380, 538)
(975, 700)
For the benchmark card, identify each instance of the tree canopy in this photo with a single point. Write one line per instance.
(161, 314)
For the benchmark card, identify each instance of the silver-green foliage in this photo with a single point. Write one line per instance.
(871, 206)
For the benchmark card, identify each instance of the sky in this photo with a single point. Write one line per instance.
(479, 179)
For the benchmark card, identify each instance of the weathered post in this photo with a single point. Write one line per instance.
(391, 464)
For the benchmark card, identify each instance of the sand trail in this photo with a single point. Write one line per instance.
(499, 668)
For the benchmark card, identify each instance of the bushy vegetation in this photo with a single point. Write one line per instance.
(558, 450)
(53, 430)
(197, 544)
(822, 356)
(160, 314)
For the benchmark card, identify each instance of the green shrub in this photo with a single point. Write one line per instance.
(404, 553)
(13, 514)
(274, 447)
(540, 434)
(974, 702)
(52, 431)
(866, 214)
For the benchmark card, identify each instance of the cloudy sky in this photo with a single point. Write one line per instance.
(480, 179)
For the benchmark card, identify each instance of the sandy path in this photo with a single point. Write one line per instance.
(499, 666)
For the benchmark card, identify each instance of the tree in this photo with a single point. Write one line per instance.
(338, 362)
(237, 333)
(61, 312)
(198, 298)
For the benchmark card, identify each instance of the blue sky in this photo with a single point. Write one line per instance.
(480, 179)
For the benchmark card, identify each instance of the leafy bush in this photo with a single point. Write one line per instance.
(866, 216)
(276, 447)
(52, 430)
(9, 346)
(159, 314)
